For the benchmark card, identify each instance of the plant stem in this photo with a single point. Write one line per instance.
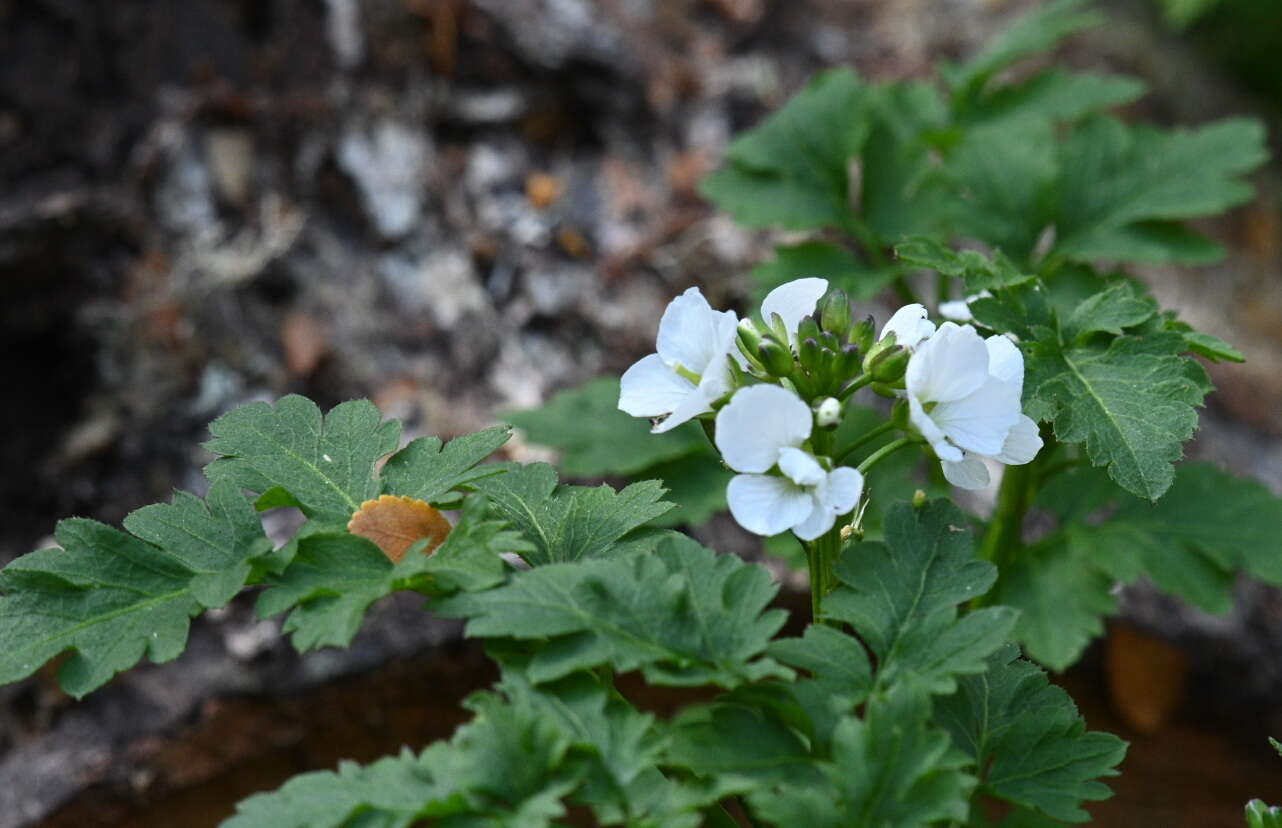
(1006, 531)
(855, 384)
(863, 440)
(943, 290)
(821, 556)
(881, 453)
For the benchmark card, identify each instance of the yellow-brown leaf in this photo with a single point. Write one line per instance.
(397, 523)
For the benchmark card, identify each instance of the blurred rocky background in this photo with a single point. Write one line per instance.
(454, 207)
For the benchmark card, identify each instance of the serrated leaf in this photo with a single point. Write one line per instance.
(507, 767)
(326, 464)
(1123, 305)
(568, 523)
(1132, 403)
(426, 470)
(892, 768)
(791, 170)
(902, 189)
(1155, 242)
(1115, 176)
(740, 742)
(841, 267)
(840, 677)
(1192, 541)
(682, 614)
(901, 597)
(1037, 31)
(335, 576)
(1062, 598)
(979, 271)
(112, 598)
(696, 485)
(1054, 95)
(594, 438)
(1027, 739)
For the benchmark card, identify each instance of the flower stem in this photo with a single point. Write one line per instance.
(821, 556)
(1006, 531)
(863, 440)
(853, 386)
(883, 452)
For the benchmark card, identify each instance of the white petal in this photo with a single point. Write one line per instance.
(793, 301)
(980, 421)
(970, 473)
(767, 505)
(950, 365)
(759, 421)
(1005, 362)
(933, 434)
(692, 334)
(650, 388)
(909, 325)
(841, 490)
(818, 522)
(800, 467)
(957, 310)
(1022, 443)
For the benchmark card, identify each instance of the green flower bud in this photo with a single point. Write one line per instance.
(889, 366)
(834, 313)
(808, 328)
(749, 338)
(847, 363)
(874, 353)
(828, 413)
(808, 354)
(919, 499)
(775, 358)
(862, 333)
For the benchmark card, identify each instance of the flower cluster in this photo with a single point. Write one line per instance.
(771, 392)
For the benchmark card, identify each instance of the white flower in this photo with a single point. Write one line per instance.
(691, 370)
(909, 325)
(964, 397)
(762, 427)
(959, 309)
(793, 301)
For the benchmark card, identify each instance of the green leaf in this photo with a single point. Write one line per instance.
(426, 471)
(335, 576)
(595, 438)
(1027, 739)
(1123, 305)
(1132, 403)
(682, 614)
(567, 523)
(901, 597)
(696, 484)
(1156, 242)
(1115, 176)
(507, 767)
(741, 742)
(112, 597)
(979, 271)
(892, 768)
(840, 677)
(903, 191)
(791, 170)
(1061, 597)
(1054, 95)
(842, 268)
(1037, 31)
(326, 464)
(1259, 815)
(1192, 541)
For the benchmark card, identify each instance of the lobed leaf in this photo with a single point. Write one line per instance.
(428, 470)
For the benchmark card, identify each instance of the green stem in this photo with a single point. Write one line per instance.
(821, 556)
(1006, 531)
(881, 453)
(863, 440)
(943, 291)
(854, 385)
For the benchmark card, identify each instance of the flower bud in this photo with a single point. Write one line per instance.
(919, 499)
(808, 328)
(828, 413)
(874, 353)
(889, 366)
(847, 363)
(808, 354)
(862, 333)
(834, 313)
(775, 358)
(749, 338)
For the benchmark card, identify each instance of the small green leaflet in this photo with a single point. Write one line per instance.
(791, 170)
(979, 271)
(113, 597)
(567, 523)
(1132, 403)
(682, 614)
(334, 577)
(1027, 739)
(1192, 541)
(1115, 176)
(901, 596)
(1054, 95)
(840, 676)
(891, 769)
(1122, 305)
(325, 463)
(428, 471)
(507, 767)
